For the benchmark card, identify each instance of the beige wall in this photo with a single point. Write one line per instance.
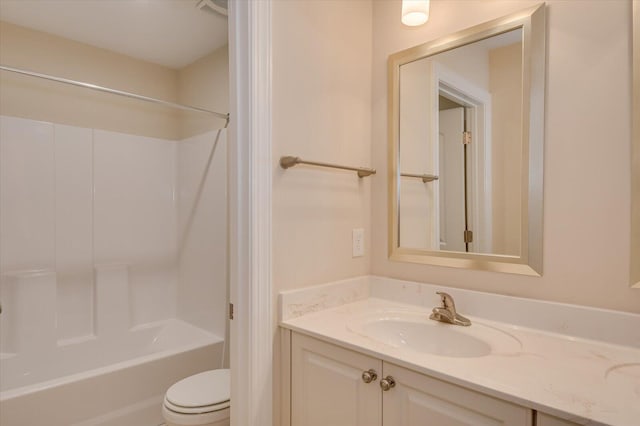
(416, 212)
(204, 84)
(329, 104)
(321, 111)
(505, 85)
(587, 172)
(28, 97)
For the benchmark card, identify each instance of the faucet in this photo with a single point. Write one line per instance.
(447, 312)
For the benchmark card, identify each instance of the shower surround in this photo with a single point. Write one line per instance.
(113, 248)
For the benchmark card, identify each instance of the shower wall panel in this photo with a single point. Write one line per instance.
(88, 233)
(135, 218)
(202, 225)
(27, 199)
(73, 230)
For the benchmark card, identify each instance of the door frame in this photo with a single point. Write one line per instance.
(468, 94)
(249, 157)
(453, 238)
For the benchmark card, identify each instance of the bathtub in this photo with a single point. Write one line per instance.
(91, 381)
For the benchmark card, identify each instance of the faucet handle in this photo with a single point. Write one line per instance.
(447, 313)
(447, 301)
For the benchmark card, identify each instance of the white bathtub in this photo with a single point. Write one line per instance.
(104, 381)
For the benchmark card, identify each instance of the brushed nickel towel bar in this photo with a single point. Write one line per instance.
(289, 161)
(425, 178)
(112, 91)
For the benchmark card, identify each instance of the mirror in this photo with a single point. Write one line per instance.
(635, 157)
(466, 120)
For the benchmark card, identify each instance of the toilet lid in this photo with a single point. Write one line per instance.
(208, 409)
(201, 390)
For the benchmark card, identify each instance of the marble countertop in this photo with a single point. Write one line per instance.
(584, 381)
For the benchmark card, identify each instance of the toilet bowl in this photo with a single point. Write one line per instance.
(199, 400)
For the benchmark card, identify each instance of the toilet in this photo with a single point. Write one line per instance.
(199, 400)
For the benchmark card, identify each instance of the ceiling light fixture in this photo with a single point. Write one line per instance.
(415, 12)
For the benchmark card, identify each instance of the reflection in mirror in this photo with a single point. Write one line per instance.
(471, 140)
(466, 135)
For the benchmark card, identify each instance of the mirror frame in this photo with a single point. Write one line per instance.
(634, 270)
(529, 262)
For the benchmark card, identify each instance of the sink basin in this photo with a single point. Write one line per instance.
(415, 332)
(625, 377)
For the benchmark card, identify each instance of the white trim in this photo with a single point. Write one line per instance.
(285, 377)
(250, 213)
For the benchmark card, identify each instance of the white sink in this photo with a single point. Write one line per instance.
(625, 377)
(416, 332)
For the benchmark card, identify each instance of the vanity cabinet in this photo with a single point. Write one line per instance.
(328, 387)
(418, 400)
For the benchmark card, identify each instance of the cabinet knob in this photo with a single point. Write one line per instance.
(387, 383)
(369, 375)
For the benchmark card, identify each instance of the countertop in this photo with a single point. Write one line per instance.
(584, 381)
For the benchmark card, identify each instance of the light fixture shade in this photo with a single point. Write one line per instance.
(415, 12)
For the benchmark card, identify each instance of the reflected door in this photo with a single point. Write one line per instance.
(452, 193)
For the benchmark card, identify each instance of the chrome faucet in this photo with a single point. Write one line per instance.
(447, 312)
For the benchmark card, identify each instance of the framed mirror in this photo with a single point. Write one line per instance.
(466, 131)
(635, 153)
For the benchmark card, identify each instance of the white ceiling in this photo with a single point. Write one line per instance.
(173, 33)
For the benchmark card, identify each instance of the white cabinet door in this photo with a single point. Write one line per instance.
(543, 419)
(419, 400)
(327, 388)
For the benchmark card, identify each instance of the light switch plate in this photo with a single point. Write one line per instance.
(358, 242)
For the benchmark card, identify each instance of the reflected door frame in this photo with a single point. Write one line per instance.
(478, 103)
(451, 213)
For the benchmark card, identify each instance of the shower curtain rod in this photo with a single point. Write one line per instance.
(112, 91)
